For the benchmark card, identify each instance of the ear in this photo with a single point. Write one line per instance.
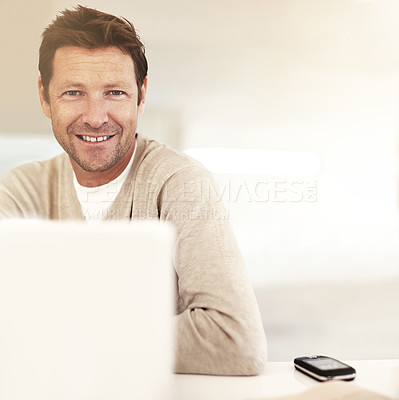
(141, 106)
(43, 102)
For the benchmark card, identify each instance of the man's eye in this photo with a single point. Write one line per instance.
(72, 92)
(116, 92)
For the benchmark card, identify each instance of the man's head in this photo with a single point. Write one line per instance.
(90, 29)
(92, 86)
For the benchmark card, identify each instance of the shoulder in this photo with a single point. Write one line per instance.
(160, 162)
(23, 188)
(34, 171)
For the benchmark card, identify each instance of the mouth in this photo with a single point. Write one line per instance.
(94, 139)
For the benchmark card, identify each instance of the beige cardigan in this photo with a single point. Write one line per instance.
(219, 330)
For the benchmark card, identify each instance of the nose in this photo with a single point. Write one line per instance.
(95, 112)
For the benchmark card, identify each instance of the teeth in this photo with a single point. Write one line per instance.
(94, 139)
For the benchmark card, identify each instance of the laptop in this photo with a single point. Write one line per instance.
(86, 311)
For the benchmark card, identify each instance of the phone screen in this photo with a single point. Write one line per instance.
(325, 364)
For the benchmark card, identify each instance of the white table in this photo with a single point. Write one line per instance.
(280, 379)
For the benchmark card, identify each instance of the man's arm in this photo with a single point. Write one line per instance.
(22, 192)
(11, 197)
(219, 330)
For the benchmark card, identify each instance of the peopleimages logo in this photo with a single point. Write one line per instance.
(205, 200)
(237, 190)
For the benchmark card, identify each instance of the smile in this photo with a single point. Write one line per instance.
(93, 139)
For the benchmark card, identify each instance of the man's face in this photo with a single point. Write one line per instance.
(93, 109)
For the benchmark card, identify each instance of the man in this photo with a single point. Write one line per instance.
(92, 85)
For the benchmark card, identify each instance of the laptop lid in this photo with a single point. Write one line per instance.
(85, 310)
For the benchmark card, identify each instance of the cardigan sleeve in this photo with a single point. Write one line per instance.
(19, 193)
(219, 329)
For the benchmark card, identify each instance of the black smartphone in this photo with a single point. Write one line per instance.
(324, 368)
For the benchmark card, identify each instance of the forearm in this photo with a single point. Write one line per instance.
(210, 342)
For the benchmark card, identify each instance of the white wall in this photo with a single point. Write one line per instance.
(20, 30)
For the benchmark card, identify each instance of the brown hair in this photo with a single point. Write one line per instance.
(91, 29)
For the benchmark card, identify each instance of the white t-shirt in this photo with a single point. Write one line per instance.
(96, 201)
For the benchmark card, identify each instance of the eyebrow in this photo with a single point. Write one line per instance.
(71, 83)
(118, 84)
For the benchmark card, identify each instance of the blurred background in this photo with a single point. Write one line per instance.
(303, 91)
